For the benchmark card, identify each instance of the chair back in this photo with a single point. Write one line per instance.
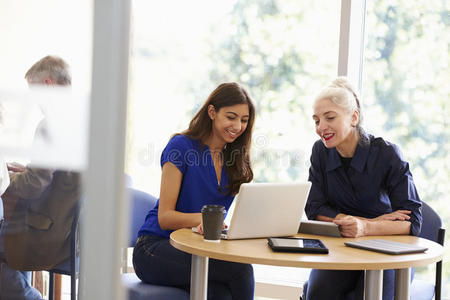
(431, 230)
(431, 223)
(141, 204)
(71, 266)
(75, 239)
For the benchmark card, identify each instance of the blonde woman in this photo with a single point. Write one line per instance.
(359, 182)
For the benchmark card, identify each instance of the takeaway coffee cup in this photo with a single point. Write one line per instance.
(212, 217)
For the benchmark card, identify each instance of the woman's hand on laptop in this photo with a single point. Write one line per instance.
(200, 227)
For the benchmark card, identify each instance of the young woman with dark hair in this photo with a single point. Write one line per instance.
(205, 164)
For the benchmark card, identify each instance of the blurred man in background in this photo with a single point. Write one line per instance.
(38, 206)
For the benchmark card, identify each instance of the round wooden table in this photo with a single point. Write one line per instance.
(340, 257)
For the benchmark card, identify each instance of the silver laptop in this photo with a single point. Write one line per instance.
(386, 246)
(267, 210)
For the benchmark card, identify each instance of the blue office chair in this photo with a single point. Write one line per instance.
(69, 267)
(141, 203)
(431, 230)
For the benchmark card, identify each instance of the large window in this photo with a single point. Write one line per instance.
(284, 52)
(406, 93)
(277, 49)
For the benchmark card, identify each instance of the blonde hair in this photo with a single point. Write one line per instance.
(52, 67)
(342, 93)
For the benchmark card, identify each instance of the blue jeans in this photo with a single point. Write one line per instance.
(157, 262)
(14, 285)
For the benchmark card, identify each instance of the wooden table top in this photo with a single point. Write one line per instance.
(340, 257)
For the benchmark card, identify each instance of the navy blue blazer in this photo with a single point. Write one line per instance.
(377, 182)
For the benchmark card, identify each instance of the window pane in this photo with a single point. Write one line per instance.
(279, 50)
(282, 51)
(45, 127)
(49, 27)
(406, 92)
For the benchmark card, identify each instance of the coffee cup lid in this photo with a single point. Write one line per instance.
(213, 208)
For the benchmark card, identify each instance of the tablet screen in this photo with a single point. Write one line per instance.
(297, 243)
(287, 242)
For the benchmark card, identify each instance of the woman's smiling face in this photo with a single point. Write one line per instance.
(229, 122)
(334, 124)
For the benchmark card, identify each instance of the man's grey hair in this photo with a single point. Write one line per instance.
(49, 67)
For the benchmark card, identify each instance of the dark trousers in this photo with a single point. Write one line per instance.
(343, 285)
(157, 262)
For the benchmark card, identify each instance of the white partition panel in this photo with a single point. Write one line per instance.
(105, 206)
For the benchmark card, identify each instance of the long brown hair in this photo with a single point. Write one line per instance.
(237, 153)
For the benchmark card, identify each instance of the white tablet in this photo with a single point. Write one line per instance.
(319, 228)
